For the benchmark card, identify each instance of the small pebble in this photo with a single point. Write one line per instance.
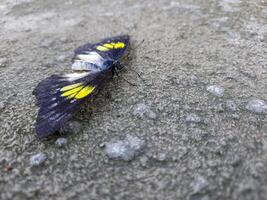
(141, 110)
(162, 156)
(102, 145)
(61, 142)
(216, 90)
(2, 105)
(144, 161)
(3, 62)
(125, 149)
(257, 106)
(231, 105)
(119, 150)
(8, 168)
(192, 118)
(38, 159)
(199, 184)
(135, 142)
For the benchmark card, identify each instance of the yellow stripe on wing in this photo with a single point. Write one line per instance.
(102, 48)
(76, 91)
(119, 45)
(107, 45)
(112, 45)
(69, 87)
(72, 91)
(84, 92)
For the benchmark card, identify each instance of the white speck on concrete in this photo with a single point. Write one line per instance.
(62, 58)
(257, 106)
(162, 157)
(3, 62)
(144, 161)
(61, 142)
(229, 5)
(38, 159)
(234, 37)
(216, 90)
(192, 118)
(125, 149)
(141, 110)
(199, 184)
(2, 105)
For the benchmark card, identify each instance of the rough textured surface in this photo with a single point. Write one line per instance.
(188, 45)
(124, 149)
(216, 90)
(38, 159)
(257, 106)
(143, 111)
(60, 142)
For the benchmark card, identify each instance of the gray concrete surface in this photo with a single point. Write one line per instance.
(188, 46)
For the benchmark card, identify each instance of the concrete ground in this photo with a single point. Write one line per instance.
(200, 111)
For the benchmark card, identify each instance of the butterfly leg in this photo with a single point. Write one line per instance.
(116, 71)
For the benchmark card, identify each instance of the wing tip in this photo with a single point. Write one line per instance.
(42, 132)
(125, 37)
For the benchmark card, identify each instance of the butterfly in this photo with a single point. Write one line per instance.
(58, 96)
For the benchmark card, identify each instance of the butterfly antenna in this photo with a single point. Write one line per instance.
(132, 84)
(134, 48)
(116, 72)
(122, 67)
(139, 75)
(126, 69)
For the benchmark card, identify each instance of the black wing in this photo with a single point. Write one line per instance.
(58, 96)
(95, 57)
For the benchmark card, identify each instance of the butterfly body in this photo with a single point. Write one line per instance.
(58, 96)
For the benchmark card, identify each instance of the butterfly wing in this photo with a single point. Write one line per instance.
(113, 47)
(58, 97)
(96, 56)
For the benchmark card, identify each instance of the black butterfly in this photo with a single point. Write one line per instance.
(59, 95)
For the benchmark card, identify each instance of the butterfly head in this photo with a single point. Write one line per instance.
(108, 63)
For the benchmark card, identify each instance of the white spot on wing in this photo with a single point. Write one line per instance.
(91, 57)
(82, 65)
(75, 76)
(53, 105)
